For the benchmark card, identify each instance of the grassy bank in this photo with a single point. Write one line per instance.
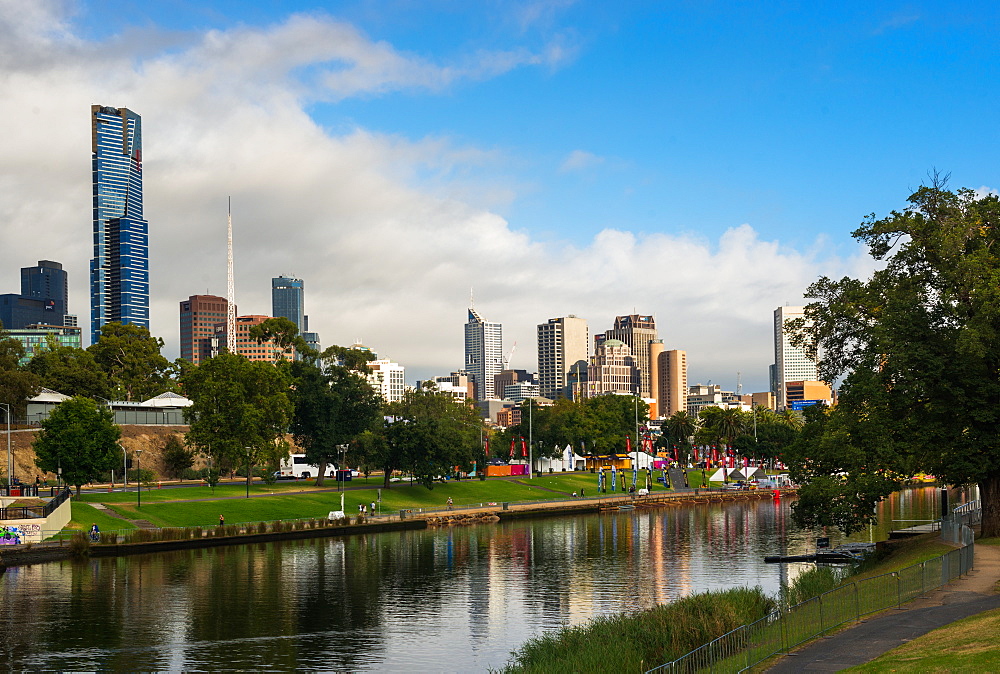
(201, 505)
(636, 642)
(967, 645)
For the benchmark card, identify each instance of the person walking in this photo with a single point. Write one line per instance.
(450, 503)
(222, 520)
(373, 508)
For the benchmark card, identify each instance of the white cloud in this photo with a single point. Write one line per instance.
(578, 160)
(384, 257)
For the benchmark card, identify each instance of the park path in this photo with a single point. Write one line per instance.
(964, 597)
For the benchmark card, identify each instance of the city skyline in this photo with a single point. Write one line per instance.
(702, 164)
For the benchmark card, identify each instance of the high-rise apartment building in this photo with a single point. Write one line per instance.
(388, 379)
(637, 331)
(562, 342)
(791, 363)
(119, 270)
(199, 315)
(43, 298)
(483, 354)
(672, 386)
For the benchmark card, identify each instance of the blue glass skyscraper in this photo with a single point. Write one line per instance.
(288, 300)
(119, 270)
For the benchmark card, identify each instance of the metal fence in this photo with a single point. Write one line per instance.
(786, 628)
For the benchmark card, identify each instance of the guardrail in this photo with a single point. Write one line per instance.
(784, 629)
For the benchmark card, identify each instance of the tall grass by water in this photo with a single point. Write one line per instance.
(636, 642)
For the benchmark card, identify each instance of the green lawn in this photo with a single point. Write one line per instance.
(967, 645)
(85, 515)
(200, 506)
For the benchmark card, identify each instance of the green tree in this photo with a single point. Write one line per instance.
(430, 433)
(680, 427)
(72, 372)
(331, 408)
(918, 348)
(240, 410)
(131, 359)
(79, 438)
(16, 383)
(176, 457)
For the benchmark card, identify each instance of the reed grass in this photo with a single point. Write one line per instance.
(636, 642)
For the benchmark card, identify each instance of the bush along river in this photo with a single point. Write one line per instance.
(438, 599)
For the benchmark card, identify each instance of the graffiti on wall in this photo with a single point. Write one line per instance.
(15, 534)
(11, 534)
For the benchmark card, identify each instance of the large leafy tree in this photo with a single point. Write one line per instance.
(240, 410)
(16, 383)
(918, 347)
(429, 433)
(131, 358)
(332, 407)
(73, 372)
(79, 438)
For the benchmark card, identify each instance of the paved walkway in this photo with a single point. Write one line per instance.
(869, 639)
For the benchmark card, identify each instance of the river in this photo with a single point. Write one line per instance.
(450, 599)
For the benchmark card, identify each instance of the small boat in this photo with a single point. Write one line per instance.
(848, 553)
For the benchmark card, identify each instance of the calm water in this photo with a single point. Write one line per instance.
(457, 599)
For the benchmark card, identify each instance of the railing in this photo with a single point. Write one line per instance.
(784, 629)
(33, 512)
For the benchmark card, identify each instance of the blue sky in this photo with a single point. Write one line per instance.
(701, 161)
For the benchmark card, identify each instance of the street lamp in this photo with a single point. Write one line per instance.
(138, 477)
(10, 456)
(530, 443)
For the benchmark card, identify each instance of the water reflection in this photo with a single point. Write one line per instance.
(445, 599)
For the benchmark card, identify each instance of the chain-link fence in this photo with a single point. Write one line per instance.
(786, 628)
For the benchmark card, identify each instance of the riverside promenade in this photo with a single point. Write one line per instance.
(867, 640)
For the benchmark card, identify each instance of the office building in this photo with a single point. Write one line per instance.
(457, 384)
(199, 315)
(387, 378)
(119, 270)
(791, 363)
(637, 332)
(267, 351)
(701, 396)
(288, 300)
(483, 354)
(43, 299)
(520, 390)
(672, 384)
(562, 342)
(612, 369)
(35, 338)
(507, 377)
(799, 394)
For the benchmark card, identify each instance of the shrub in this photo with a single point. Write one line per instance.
(79, 545)
(191, 474)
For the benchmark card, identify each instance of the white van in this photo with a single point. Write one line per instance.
(297, 466)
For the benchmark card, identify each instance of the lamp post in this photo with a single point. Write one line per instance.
(10, 455)
(124, 468)
(138, 478)
(530, 443)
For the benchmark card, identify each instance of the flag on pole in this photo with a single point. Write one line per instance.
(614, 477)
(512, 448)
(628, 444)
(635, 476)
(524, 448)
(487, 446)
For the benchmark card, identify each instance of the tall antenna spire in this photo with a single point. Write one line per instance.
(231, 289)
(472, 298)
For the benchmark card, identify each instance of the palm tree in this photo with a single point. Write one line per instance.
(791, 418)
(680, 427)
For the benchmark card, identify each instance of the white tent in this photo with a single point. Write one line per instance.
(724, 474)
(641, 460)
(568, 461)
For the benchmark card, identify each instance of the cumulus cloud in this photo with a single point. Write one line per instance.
(386, 257)
(578, 160)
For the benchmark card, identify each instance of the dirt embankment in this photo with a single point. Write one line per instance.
(150, 439)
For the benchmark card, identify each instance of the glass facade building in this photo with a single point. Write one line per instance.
(119, 270)
(288, 300)
(43, 298)
(483, 354)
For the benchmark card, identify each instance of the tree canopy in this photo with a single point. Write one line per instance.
(131, 358)
(240, 410)
(16, 384)
(918, 348)
(79, 438)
